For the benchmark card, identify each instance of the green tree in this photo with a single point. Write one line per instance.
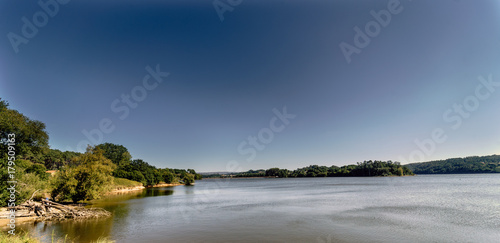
(3, 104)
(150, 173)
(4, 177)
(196, 175)
(118, 154)
(188, 179)
(28, 176)
(272, 172)
(283, 173)
(64, 184)
(30, 136)
(167, 175)
(88, 180)
(39, 170)
(137, 176)
(54, 159)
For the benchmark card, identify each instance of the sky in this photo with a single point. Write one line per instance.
(238, 85)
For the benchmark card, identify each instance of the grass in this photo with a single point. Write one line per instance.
(23, 238)
(121, 183)
(26, 238)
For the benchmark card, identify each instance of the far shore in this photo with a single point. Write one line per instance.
(273, 177)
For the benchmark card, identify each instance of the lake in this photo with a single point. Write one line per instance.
(424, 208)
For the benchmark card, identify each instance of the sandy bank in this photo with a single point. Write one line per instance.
(138, 188)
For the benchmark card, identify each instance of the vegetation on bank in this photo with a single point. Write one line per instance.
(77, 176)
(467, 165)
(26, 238)
(122, 183)
(18, 238)
(366, 168)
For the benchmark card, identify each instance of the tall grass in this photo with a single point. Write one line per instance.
(18, 238)
(27, 238)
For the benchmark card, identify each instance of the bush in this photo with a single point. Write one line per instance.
(39, 170)
(86, 181)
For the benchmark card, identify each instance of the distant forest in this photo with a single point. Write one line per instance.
(467, 165)
(366, 168)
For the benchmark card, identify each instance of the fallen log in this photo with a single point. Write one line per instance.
(47, 210)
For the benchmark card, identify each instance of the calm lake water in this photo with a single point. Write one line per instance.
(434, 208)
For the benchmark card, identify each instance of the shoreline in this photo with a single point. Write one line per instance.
(166, 185)
(138, 188)
(246, 177)
(29, 219)
(124, 190)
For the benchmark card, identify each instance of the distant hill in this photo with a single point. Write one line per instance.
(467, 165)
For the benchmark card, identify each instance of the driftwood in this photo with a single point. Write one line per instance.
(32, 195)
(48, 210)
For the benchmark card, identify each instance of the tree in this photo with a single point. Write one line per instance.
(150, 173)
(64, 185)
(272, 172)
(283, 173)
(30, 136)
(167, 176)
(196, 176)
(3, 104)
(188, 179)
(39, 170)
(137, 176)
(88, 179)
(53, 159)
(4, 176)
(118, 154)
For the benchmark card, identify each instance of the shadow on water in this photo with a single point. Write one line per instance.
(120, 198)
(93, 229)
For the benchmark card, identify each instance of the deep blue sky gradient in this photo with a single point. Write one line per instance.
(227, 76)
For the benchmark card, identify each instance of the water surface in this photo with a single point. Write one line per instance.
(431, 208)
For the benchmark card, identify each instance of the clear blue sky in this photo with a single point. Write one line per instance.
(226, 77)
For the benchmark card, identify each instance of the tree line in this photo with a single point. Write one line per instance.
(467, 165)
(79, 176)
(366, 168)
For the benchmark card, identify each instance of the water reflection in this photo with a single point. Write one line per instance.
(148, 192)
(154, 192)
(71, 230)
(189, 189)
(93, 229)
